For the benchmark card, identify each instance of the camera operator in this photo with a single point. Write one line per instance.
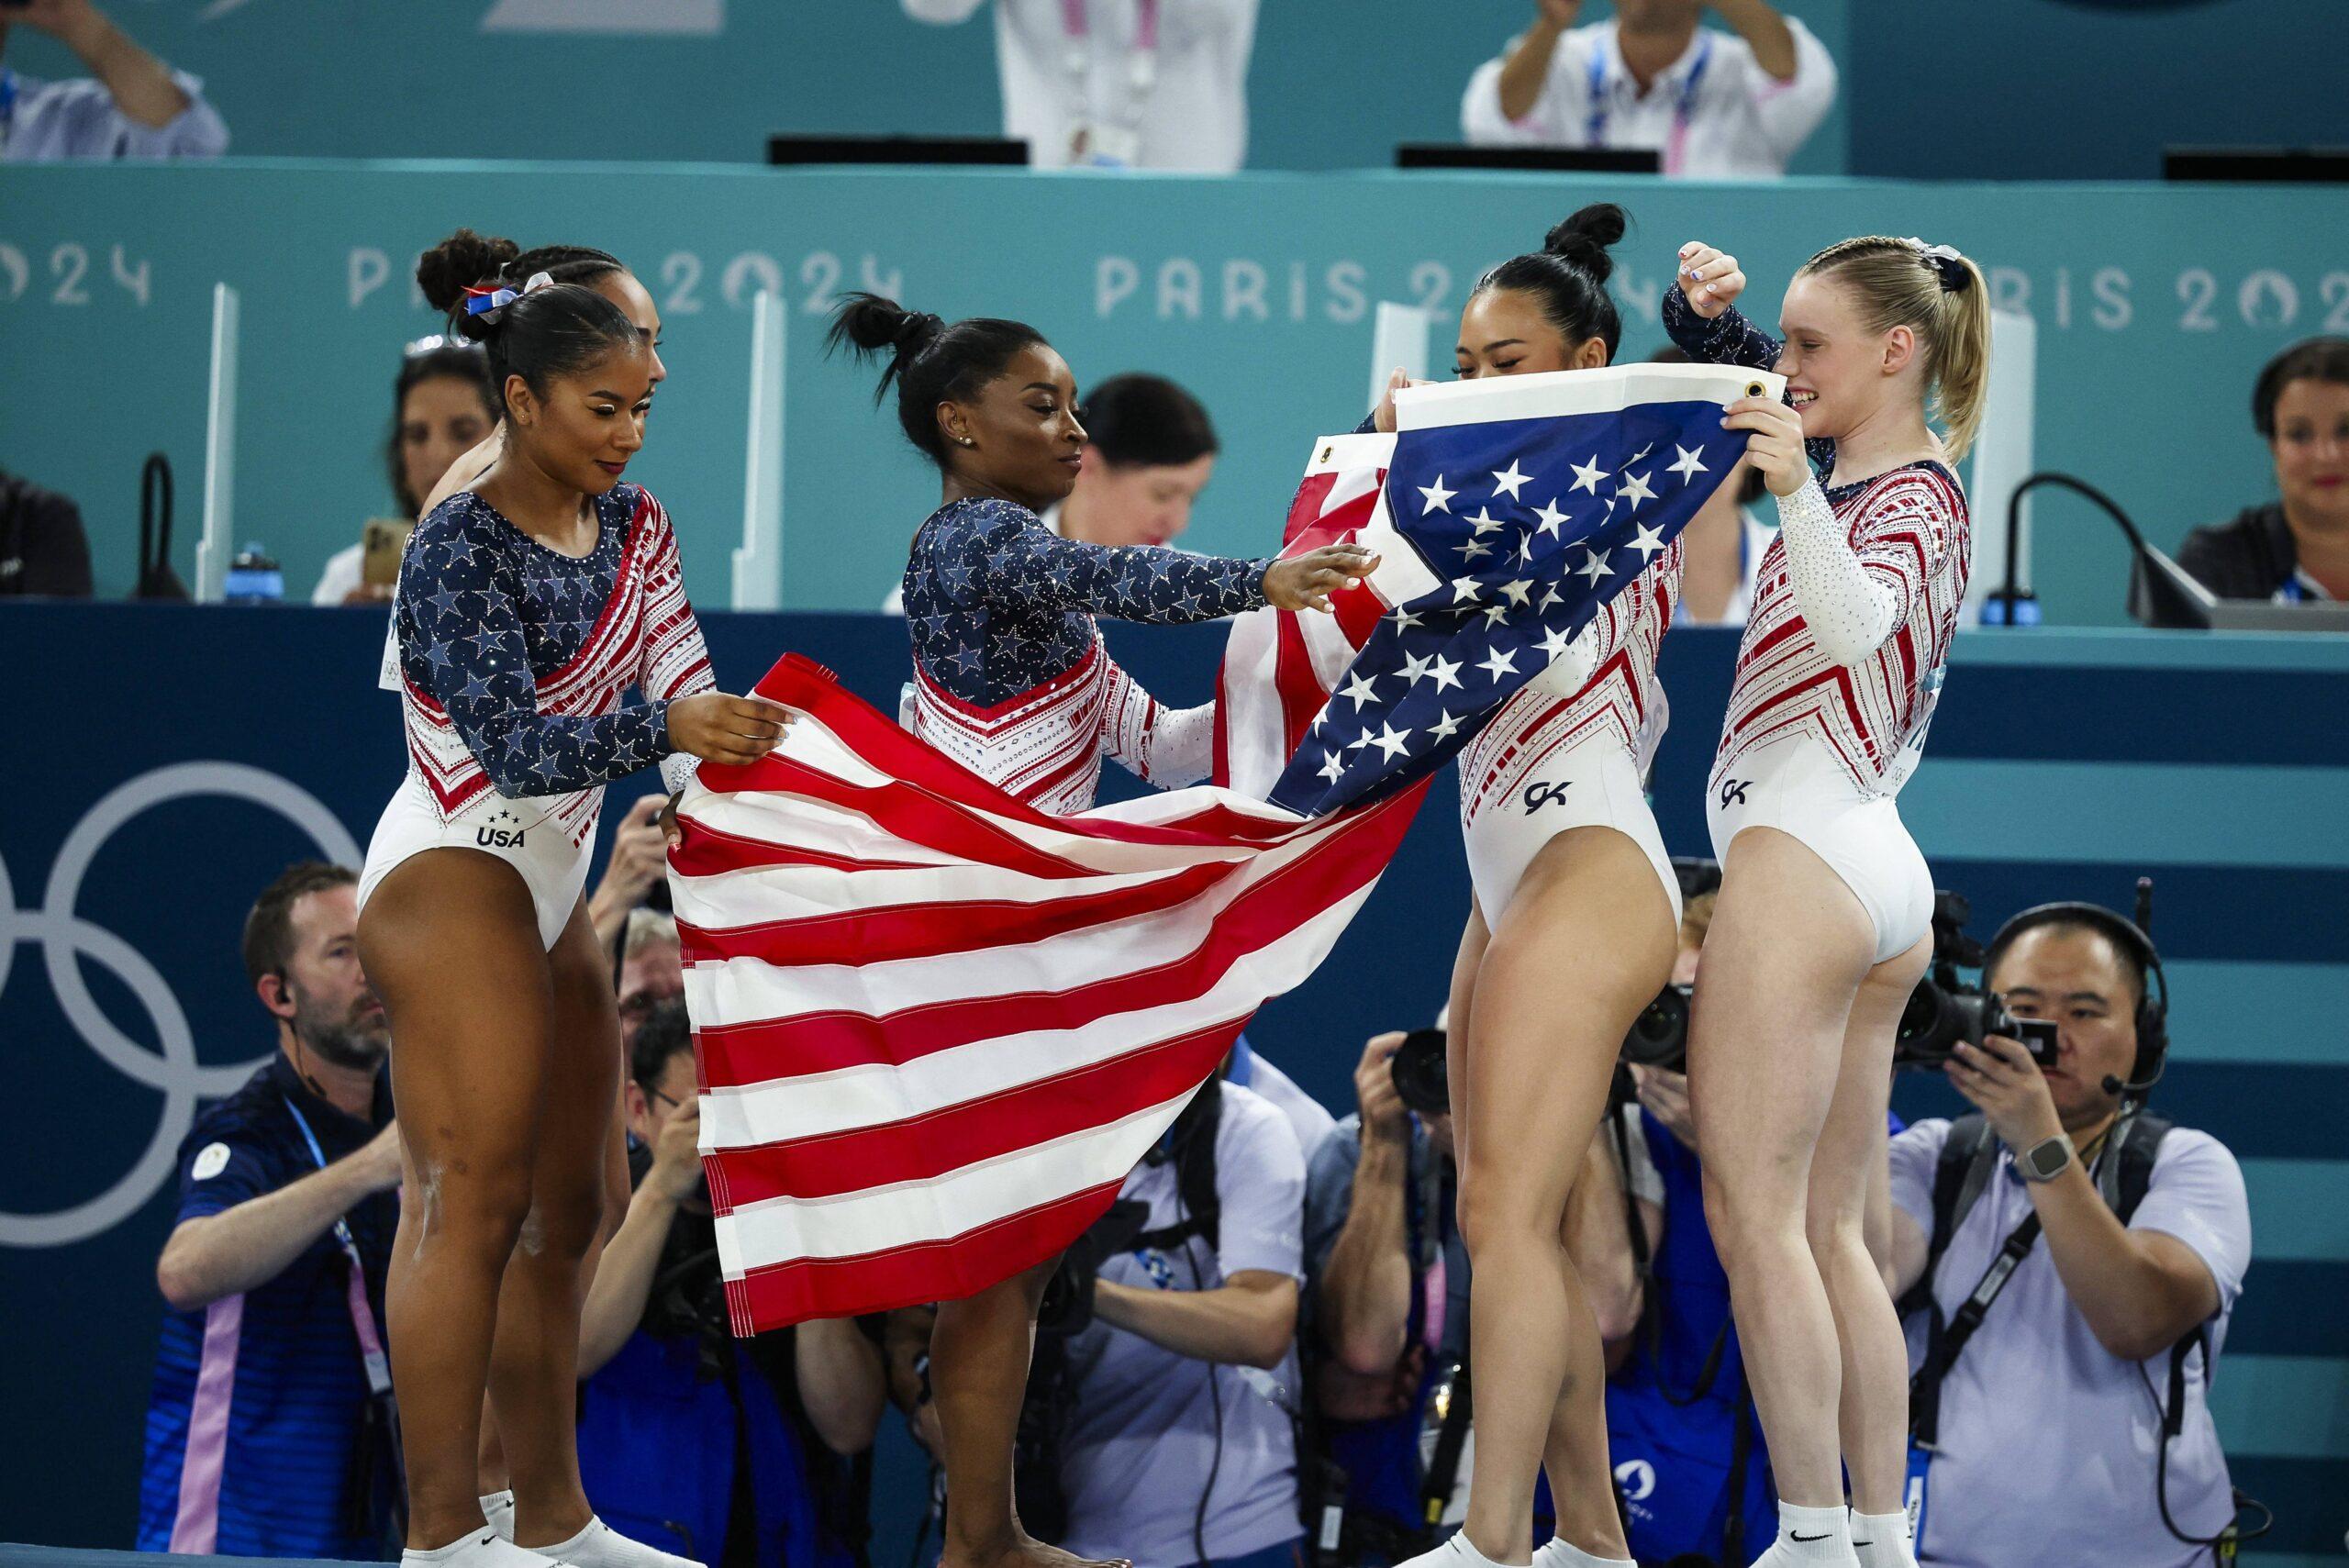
(2057, 1394)
(1388, 1302)
(728, 1451)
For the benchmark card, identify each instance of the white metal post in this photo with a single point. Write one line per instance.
(2003, 455)
(214, 549)
(757, 563)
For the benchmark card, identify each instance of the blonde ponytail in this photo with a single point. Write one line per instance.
(1941, 296)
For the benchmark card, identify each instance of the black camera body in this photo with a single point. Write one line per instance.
(1944, 1010)
(1421, 1072)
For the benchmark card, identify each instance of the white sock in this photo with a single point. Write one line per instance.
(497, 1508)
(1810, 1535)
(601, 1546)
(1560, 1552)
(1883, 1540)
(479, 1549)
(1456, 1551)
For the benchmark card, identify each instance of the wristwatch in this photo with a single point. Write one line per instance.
(2046, 1159)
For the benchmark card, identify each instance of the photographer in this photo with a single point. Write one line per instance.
(1153, 1425)
(725, 1451)
(2060, 1394)
(1389, 1301)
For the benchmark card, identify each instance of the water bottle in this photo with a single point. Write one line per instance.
(253, 579)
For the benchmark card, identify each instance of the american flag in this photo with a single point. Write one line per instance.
(937, 1028)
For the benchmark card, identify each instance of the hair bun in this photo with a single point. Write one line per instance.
(462, 259)
(874, 323)
(1583, 239)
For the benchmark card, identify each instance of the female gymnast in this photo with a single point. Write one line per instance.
(1571, 934)
(1822, 928)
(1011, 679)
(529, 602)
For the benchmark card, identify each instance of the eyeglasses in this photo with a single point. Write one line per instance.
(671, 1101)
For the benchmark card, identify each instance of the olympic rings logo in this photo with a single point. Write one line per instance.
(66, 939)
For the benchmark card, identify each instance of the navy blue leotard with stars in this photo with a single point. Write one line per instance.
(998, 605)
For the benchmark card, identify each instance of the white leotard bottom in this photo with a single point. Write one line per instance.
(1798, 786)
(522, 833)
(1593, 784)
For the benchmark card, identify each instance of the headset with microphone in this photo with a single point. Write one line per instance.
(2131, 937)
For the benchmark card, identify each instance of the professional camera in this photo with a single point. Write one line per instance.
(1945, 1009)
(1422, 1075)
(1659, 1036)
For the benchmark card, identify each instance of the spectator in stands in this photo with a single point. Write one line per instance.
(44, 551)
(130, 106)
(1713, 104)
(652, 970)
(268, 1430)
(2048, 1435)
(1149, 450)
(1120, 84)
(2295, 549)
(442, 408)
(726, 1451)
(1388, 1298)
(1721, 547)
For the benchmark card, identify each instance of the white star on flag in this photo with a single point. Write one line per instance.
(1586, 476)
(1550, 595)
(1330, 767)
(1500, 661)
(1405, 620)
(1688, 467)
(1552, 519)
(1445, 671)
(1474, 548)
(1391, 742)
(1464, 590)
(1635, 485)
(1415, 669)
(1435, 497)
(1647, 541)
(1485, 520)
(1594, 566)
(1359, 688)
(1514, 593)
(1554, 641)
(1510, 480)
(1445, 727)
(1495, 613)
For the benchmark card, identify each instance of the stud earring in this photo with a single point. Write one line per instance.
(967, 441)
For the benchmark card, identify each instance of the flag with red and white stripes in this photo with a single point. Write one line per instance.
(937, 1027)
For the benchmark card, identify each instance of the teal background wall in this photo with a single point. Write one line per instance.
(1330, 86)
(2087, 89)
(2155, 306)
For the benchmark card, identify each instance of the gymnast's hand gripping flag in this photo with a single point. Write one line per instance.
(938, 1028)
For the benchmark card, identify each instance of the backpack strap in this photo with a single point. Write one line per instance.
(1968, 1157)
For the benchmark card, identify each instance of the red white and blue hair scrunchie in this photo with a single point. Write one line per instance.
(483, 301)
(1946, 263)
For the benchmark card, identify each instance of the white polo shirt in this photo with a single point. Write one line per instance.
(1713, 114)
(2047, 1440)
(1066, 63)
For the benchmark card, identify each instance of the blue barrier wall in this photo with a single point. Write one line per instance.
(2155, 309)
(709, 80)
(165, 761)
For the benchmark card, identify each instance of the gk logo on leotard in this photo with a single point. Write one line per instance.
(1733, 792)
(1538, 796)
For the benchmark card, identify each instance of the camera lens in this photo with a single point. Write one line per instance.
(1422, 1076)
(1659, 1036)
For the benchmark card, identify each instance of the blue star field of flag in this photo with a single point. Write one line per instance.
(1532, 525)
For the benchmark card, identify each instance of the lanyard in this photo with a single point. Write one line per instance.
(1076, 29)
(1675, 149)
(363, 1319)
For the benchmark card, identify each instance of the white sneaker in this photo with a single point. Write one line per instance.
(482, 1549)
(1457, 1552)
(601, 1546)
(1560, 1552)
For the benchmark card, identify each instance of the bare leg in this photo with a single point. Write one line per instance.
(1873, 1415)
(1787, 950)
(1460, 1013)
(451, 943)
(978, 1362)
(1584, 944)
(535, 1356)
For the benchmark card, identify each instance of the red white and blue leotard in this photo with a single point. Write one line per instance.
(1010, 676)
(514, 664)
